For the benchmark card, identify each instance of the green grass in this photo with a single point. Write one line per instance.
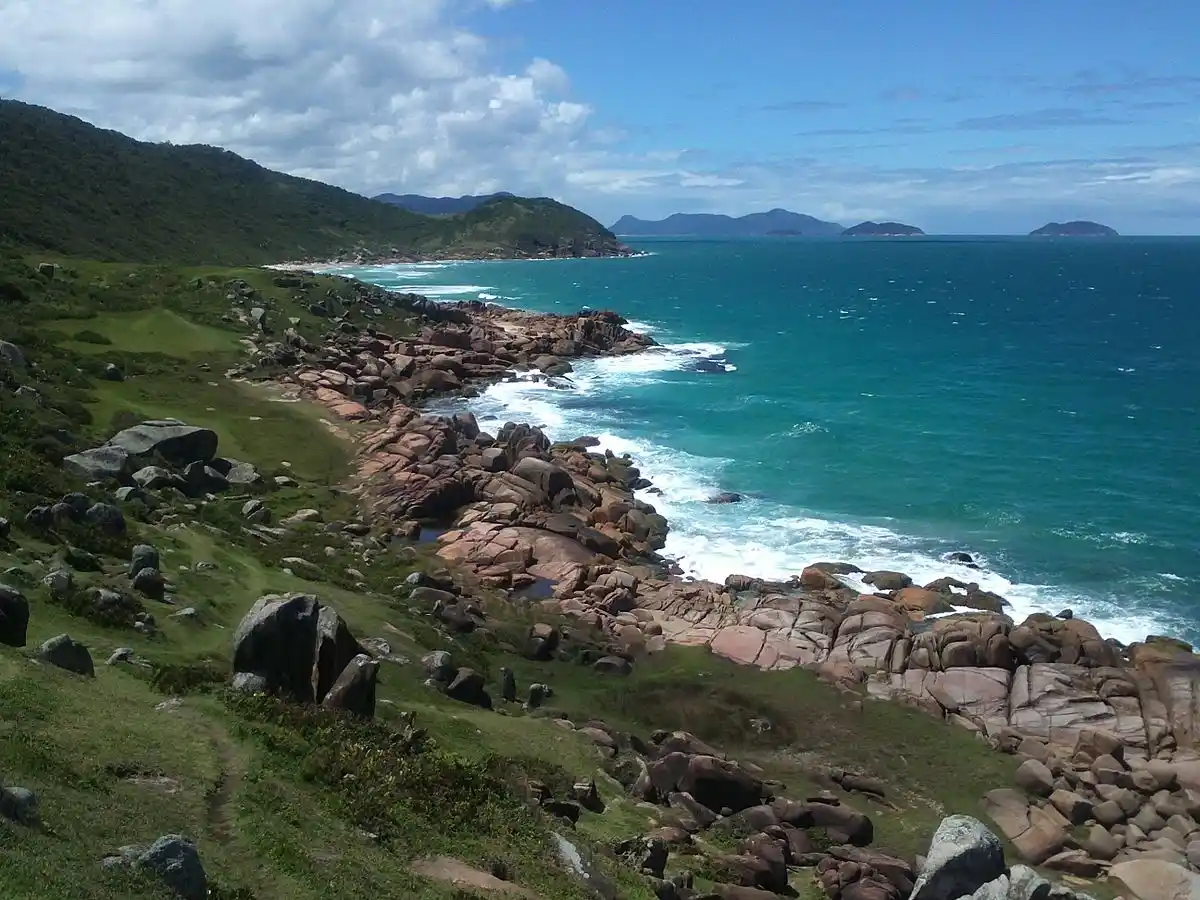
(284, 804)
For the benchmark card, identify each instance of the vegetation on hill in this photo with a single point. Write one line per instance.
(439, 206)
(774, 222)
(72, 189)
(292, 802)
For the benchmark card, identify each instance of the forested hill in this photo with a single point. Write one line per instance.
(73, 189)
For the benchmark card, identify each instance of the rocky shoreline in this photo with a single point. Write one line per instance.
(590, 251)
(558, 526)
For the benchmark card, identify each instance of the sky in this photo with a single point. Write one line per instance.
(979, 117)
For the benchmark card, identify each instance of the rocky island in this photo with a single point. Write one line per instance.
(882, 229)
(1074, 229)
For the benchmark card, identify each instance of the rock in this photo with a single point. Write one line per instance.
(20, 805)
(170, 439)
(107, 518)
(200, 479)
(299, 647)
(646, 855)
(1154, 879)
(537, 695)
(1035, 777)
(354, 690)
(156, 478)
(80, 560)
(1036, 833)
(963, 856)
(613, 665)
(1099, 844)
(725, 497)
(12, 356)
(150, 583)
(67, 654)
(508, 685)
(468, 687)
(887, 581)
(187, 614)
(439, 666)
(1075, 808)
(242, 474)
(143, 557)
(176, 861)
(112, 372)
(256, 512)
(302, 517)
(100, 464)
(14, 616)
(5, 528)
(250, 683)
(120, 655)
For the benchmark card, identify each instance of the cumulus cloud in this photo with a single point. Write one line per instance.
(369, 95)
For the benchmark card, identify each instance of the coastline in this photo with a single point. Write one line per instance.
(560, 526)
(325, 266)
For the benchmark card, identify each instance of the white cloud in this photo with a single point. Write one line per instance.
(374, 96)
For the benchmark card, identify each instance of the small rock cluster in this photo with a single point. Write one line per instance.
(163, 454)
(1084, 810)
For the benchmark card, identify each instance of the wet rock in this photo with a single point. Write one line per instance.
(888, 581)
(65, 653)
(725, 497)
(14, 616)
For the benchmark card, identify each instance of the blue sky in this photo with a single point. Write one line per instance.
(976, 117)
(921, 85)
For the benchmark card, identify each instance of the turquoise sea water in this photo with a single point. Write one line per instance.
(885, 402)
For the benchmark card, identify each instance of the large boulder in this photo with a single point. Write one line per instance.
(176, 862)
(354, 690)
(719, 783)
(107, 518)
(174, 441)
(65, 653)
(963, 856)
(99, 464)
(12, 356)
(297, 646)
(143, 557)
(553, 481)
(14, 616)
(1154, 879)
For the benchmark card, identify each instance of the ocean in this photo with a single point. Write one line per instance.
(1032, 402)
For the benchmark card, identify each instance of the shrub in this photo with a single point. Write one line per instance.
(91, 337)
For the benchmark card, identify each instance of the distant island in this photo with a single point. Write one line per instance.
(440, 206)
(882, 229)
(1074, 229)
(775, 222)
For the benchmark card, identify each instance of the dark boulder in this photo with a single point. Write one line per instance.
(143, 557)
(334, 649)
(65, 653)
(14, 616)
(468, 687)
(354, 689)
(107, 518)
(170, 439)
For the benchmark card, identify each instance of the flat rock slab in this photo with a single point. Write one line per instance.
(464, 877)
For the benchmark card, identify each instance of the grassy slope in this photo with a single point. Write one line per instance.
(113, 768)
(73, 189)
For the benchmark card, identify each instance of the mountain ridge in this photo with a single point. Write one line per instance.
(441, 206)
(74, 189)
(1075, 228)
(775, 221)
(883, 229)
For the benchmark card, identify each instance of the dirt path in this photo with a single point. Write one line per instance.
(219, 813)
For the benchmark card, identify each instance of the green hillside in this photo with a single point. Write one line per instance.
(73, 189)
